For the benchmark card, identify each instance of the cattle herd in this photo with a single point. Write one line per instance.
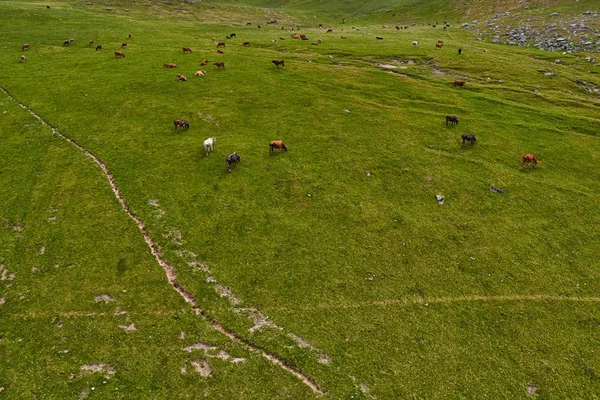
(234, 159)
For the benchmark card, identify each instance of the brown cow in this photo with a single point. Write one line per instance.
(439, 45)
(123, 45)
(342, 37)
(181, 78)
(129, 36)
(468, 138)
(459, 83)
(187, 50)
(25, 47)
(119, 54)
(277, 144)
(203, 63)
(246, 44)
(220, 64)
(181, 122)
(278, 63)
(91, 42)
(329, 31)
(295, 36)
(221, 44)
(453, 119)
(170, 65)
(441, 41)
(529, 159)
(220, 51)
(282, 38)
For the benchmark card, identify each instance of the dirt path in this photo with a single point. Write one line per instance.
(169, 270)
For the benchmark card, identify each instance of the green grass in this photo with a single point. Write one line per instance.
(356, 267)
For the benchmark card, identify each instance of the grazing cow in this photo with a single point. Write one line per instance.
(129, 36)
(439, 45)
(231, 36)
(459, 51)
(278, 63)
(187, 50)
(302, 36)
(25, 47)
(319, 41)
(200, 73)
(220, 64)
(170, 65)
(258, 26)
(23, 58)
(232, 160)
(119, 54)
(246, 44)
(379, 37)
(282, 38)
(181, 78)
(415, 43)
(452, 119)
(329, 30)
(220, 51)
(295, 36)
(277, 144)
(208, 145)
(123, 45)
(214, 39)
(99, 47)
(468, 138)
(529, 159)
(66, 42)
(459, 83)
(203, 63)
(248, 23)
(342, 37)
(181, 122)
(91, 42)
(221, 44)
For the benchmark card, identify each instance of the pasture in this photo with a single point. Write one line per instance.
(334, 258)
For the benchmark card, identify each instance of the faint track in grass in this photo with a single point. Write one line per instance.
(408, 301)
(169, 269)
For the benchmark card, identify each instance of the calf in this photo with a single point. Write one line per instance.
(170, 65)
(529, 159)
(439, 45)
(220, 64)
(232, 160)
(468, 138)
(459, 83)
(119, 54)
(278, 63)
(187, 50)
(452, 119)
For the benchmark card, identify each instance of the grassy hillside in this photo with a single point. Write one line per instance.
(335, 256)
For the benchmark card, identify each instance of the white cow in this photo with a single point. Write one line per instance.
(208, 144)
(415, 43)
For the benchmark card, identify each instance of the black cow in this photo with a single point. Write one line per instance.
(468, 138)
(452, 119)
(232, 160)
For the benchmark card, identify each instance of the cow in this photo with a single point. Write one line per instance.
(278, 63)
(208, 145)
(231, 36)
(439, 45)
(295, 36)
(342, 37)
(23, 58)
(181, 122)
(119, 54)
(187, 50)
(452, 119)
(329, 31)
(459, 51)
(203, 63)
(181, 78)
(129, 36)
(200, 73)
(379, 37)
(91, 42)
(123, 45)
(220, 64)
(529, 159)
(99, 47)
(25, 47)
(459, 83)
(66, 42)
(221, 44)
(468, 138)
(282, 38)
(319, 41)
(415, 43)
(246, 44)
(440, 41)
(232, 160)
(277, 144)
(170, 65)
(248, 23)
(220, 51)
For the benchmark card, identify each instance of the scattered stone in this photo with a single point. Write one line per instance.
(103, 297)
(199, 346)
(202, 367)
(128, 328)
(496, 190)
(531, 389)
(89, 369)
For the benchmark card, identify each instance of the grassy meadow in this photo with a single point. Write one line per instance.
(335, 256)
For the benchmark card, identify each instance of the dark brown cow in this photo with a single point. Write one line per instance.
(91, 42)
(459, 51)
(25, 47)
(278, 63)
(220, 51)
(246, 44)
(468, 138)
(439, 45)
(181, 122)
(99, 47)
(203, 63)
(277, 144)
(221, 44)
(329, 31)
(129, 36)
(123, 45)
(187, 50)
(379, 37)
(453, 119)
(220, 64)
(282, 38)
(459, 83)
(170, 65)
(119, 54)
(342, 37)
(529, 159)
